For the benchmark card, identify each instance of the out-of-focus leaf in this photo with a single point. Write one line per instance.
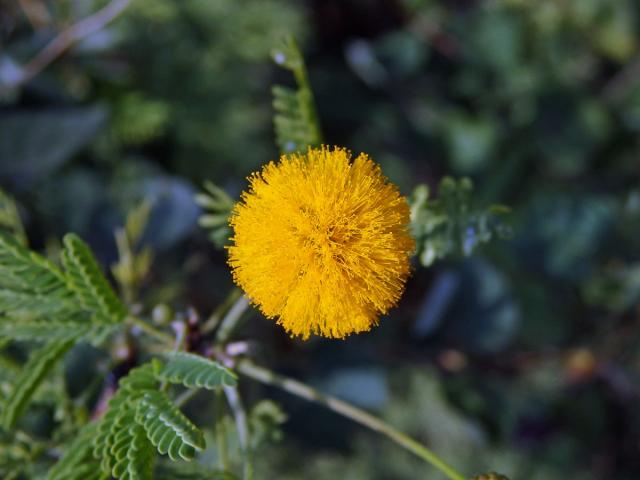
(33, 144)
(218, 205)
(265, 420)
(174, 213)
(486, 317)
(561, 232)
(365, 387)
(450, 225)
(616, 288)
(470, 141)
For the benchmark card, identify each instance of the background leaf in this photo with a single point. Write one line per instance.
(33, 144)
(31, 376)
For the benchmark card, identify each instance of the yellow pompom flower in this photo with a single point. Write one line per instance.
(321, 243)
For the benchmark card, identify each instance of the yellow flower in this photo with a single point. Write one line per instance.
(321, 243)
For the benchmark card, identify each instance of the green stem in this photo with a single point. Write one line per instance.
(214, 319)
(231, 319)
(186, 396)
(360, 416)
(221, 433)
(302, 79)
(240, 416)
(152, 331)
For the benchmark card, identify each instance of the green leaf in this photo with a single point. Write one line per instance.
(38, 300)
(31, 376)
(10, 218)
(29, 302)
(26, 272)
(54, 330)
(194, 371)
(121, 444)
(86, 279)
(167, 428)
(219, 206)
(449, 225)
(35, 143)
(131, 449)
(189, 471)
(76, 462)
(295, 120)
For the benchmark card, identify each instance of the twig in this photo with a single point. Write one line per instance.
(240, 416)
(184, 398)
(214, 319)
(231, 319)
(84, 28)
(221, 433)
(163, 337)
(345, 409)
(35, 12)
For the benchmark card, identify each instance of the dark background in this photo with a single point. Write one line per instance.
(522, 358)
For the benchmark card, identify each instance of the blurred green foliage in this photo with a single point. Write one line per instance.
(521, 359)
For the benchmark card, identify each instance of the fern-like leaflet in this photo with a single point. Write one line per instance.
(193, 371)
(89, 284)
(167, 427)
(140, 418)
(121, 444)
(39, 301)
(449, 225)
(31, 376)
(295, 120)
(10, 218)
(30, 283)
(46, 331)
(77, 462)
(218, 206)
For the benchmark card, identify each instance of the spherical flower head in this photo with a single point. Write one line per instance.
(321, 243)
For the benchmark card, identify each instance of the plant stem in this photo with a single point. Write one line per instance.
(182, 399)
(221, 433)
(343, 408)
(214, 319)
(231, 319)
(152, 331)
(240, 416)
(65, 39)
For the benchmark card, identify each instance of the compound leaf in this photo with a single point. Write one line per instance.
(31, 376)
(86, 279)
(194, 371)
(76, 462)
(54, 330)
(295, 120)
(28, 279)
(167, 427)
(121, 444)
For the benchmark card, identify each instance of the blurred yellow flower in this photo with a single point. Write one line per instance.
(321, 243)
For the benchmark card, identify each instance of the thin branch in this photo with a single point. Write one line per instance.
(152, 331)
(347, 410)
(36, 12)
(84, 28)
(214, 319)
(185, 397)
(221, 432)
(242, 425)
(231, 319)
